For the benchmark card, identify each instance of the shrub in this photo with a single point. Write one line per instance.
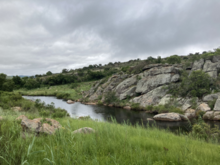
(175, 59)
(197, 84)
(110, 98)
(74, 85)
(204, 131)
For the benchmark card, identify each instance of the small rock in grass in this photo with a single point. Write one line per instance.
(84, 130)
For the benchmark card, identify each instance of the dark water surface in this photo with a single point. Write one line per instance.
(103, 113)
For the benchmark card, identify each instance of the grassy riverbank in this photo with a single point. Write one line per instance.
(111, 144)
(60, 91)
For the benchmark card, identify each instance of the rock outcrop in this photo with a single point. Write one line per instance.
(156, 77)
(49, 126)
(151, 98)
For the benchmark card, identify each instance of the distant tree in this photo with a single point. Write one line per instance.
(49, 73)
(31, 83)
(159, 60)
(175, 59)
(17, 81)
(8, 85)
(2, 79)
(65, 71)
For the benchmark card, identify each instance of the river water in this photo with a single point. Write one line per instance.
(103, 113)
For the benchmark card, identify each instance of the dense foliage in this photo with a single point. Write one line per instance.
(197, 84)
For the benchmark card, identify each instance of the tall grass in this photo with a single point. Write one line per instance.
(111, 144)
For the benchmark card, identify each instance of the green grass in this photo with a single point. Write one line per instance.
(111, 144)
(72, 94)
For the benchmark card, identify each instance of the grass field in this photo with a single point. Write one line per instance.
(111, 144)
(73, 94)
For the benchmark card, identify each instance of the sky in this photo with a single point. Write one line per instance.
(50, 35)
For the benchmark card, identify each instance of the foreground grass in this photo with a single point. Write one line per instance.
(73, 94)
(111, 144)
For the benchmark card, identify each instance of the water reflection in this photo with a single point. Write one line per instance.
(103, 113)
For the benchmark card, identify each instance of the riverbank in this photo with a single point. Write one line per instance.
(111, 144)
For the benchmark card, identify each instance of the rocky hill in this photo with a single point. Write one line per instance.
(150, 88)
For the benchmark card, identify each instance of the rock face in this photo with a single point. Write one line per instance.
(151, 98)
(126, 87)
(36, 125)
(210, 68)
(168, 117)
(198, 65)
(84, 130)
(156, 77)
(212, 115)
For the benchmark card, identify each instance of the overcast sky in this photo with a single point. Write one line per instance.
(42, 35)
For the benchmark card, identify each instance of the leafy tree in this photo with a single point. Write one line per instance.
(65, 71)
(49, 73)
(2, 79)
(8, 85)
(175, 59)
(17, 81)
(31, 83)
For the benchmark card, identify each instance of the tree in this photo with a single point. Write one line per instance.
(2, 79)
(49, 73)
(8, 85)
(17, 81)
(65, 71)
(175, 59)
(31, 83)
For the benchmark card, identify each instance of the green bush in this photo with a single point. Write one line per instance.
(175, 59)
(204, 131)
(197, 84)
(110, 97)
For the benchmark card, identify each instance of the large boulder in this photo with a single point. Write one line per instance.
(190, 113)
(151, 98)
(168, 117)
(204, 107)
(38, 125)
(212, 115)
(215, 59)
(211, 97)
(217, 104)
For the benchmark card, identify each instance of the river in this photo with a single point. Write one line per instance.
(103, 113)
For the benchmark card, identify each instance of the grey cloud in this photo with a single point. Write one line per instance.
(37, 36)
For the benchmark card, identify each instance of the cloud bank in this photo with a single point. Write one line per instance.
(38, 36)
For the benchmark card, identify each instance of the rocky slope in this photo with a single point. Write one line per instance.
(149, 88)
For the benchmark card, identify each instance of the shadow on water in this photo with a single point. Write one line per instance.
(103, 113)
